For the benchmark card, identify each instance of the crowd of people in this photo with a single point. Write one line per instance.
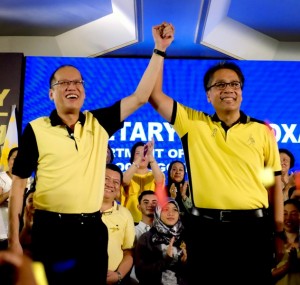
(212, 219)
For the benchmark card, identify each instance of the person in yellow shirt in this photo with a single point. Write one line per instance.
(227, 153)
(67, 152)
(144, 173)
(120, 226)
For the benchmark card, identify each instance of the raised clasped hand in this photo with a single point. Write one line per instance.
(163, 35)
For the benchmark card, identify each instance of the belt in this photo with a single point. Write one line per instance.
(229, 215)
(54, 216)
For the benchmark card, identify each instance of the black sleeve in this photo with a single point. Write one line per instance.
(109, 118)
(172, 122)
(26, 161)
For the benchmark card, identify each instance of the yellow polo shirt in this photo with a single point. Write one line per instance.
(69, 168)
(121, 233)
(225, 167)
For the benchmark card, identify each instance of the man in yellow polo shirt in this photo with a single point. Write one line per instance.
(120, 226)
(227, 153)
(67, 151)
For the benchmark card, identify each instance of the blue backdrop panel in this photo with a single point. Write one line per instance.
(271, 93)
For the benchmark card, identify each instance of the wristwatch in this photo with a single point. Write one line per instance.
(119, 277)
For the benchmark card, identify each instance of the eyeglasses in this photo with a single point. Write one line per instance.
(222, 85)
(66, 83)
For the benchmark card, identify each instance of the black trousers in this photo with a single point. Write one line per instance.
(72, 247)
(6, 270)
(235, 252)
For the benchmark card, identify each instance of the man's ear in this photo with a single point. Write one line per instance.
(208, 97)
(51, 94)
(139, 207)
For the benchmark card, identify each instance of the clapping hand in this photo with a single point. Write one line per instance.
(183, 190)
(173, 191)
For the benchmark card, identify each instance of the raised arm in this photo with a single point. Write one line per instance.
(132, 169)
(159, 177)
(163, 36)
(162, 103)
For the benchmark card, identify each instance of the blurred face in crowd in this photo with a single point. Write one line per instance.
(139, 152)
(112, 184)
(11, 160)
(177, 172)
(29, 203)
(29, 209)
(148, 204)
(285, 162)
(291, 218)
(169, 214)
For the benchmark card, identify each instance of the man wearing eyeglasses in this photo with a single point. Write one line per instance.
(67, 151)
(226, 154)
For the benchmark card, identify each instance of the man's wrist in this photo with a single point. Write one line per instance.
(160, 52)
(119, 277)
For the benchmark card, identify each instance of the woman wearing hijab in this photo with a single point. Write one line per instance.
(161, 252)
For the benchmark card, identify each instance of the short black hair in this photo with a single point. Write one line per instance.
(287, 152)
(11, 152)
(222, 65)
(52, 76)
(144, 193)
(294, 202)
(116, 168)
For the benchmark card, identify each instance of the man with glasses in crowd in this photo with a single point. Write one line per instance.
(67, 151)
(225, 154)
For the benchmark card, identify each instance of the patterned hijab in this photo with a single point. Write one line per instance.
(162, 232)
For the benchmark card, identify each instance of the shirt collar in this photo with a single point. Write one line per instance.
(243, 119)
(56, 120)
(115, 207)
(144, 226)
